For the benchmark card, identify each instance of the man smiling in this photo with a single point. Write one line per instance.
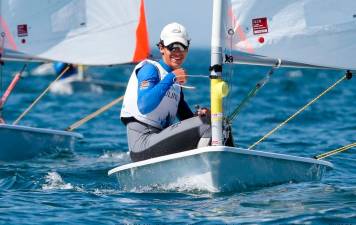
(154, 99)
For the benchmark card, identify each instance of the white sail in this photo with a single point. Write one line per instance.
(310, 32)
(74, 31)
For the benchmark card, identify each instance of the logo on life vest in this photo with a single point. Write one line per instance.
(144, 84)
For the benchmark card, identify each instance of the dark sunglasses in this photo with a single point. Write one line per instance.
(174, 47)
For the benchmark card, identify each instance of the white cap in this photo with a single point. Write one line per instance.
(174, 32)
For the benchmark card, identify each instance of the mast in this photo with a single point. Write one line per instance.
(218, 88)
(81, 72)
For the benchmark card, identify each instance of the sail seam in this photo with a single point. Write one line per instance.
(8, 34)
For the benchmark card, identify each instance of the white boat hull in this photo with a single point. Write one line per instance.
(22, 142)
(76, 83)
(218, 169)
(44, 69)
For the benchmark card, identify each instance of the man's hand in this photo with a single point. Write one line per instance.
(181, 76)
(203, 112)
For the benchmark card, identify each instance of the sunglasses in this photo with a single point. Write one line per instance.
(175, 47)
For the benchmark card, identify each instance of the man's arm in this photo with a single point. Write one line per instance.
(151, 89)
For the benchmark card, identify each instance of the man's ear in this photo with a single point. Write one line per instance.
(161, 49)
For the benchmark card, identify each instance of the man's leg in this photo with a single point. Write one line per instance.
(145, 143)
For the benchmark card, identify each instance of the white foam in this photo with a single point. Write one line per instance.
(55, 181)
(110, 155)
(200, 183)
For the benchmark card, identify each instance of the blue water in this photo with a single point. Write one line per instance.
(73, 187)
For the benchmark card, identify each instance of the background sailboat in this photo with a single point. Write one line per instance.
(43, 69)
(77, 32)
(83, 80)
(287, 33)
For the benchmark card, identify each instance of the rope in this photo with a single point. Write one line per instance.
(187, 86)
(94, 114)
(299, 111)
(253, 92)
(11, 86)
(39, 97)
(227, 104)
(333, 152)
(1, 71)
(1, 88)
(1, 62)
(114, 102)
(1, 81)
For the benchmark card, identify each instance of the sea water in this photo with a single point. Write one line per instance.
(74, 188)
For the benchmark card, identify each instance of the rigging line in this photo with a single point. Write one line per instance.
(227, 104)
(299, 111)
(8, 91)
(253, 91)
(40, 96)
(229, 74)
(228, 60)
(187, 86)
(1, 76)
(229, 57)
(11, 86)
(1, 72)
(2, 47)
(94, 114)
(333, 152)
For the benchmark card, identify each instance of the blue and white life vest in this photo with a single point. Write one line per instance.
(164, 114)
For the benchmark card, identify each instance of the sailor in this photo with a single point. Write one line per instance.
(59, 67)
(154, 99)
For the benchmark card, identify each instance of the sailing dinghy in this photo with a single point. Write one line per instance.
(24, 142)
(295, 33)
(43, 69)
(74, 31)
(78, 82)
(83, 82)
(218, 169)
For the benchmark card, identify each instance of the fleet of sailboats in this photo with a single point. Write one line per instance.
(77, 32)
(282, 33)
(287, 33)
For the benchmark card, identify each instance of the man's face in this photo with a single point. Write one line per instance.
(174, 55)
